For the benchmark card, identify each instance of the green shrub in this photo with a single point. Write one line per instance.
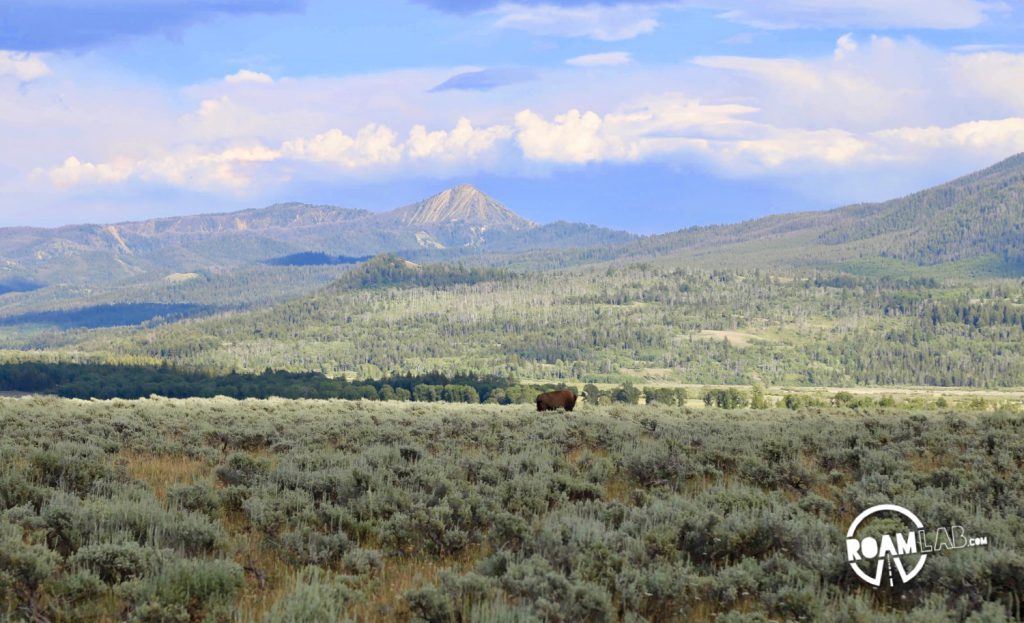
(118, 562)
(242, 469)
(317, 597)
(308, 547)
(79, 595)
(430, 605)
(24, 567)
(730, 398)
(359, 561)
(201, 589)
(630, 513)
(72, 467)
(200, 497)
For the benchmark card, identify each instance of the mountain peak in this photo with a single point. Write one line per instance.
(462, 204)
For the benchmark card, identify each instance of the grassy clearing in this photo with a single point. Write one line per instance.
(162, 471)
(739, 339)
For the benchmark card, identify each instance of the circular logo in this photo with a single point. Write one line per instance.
(887, 550)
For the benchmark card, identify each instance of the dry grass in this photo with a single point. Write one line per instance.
(927, 462)
(738, 339)
(576, 455)
(618, 489)
(400, 575)
(267, 577)
(162, 471)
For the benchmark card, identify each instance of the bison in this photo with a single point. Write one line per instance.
(550, 401)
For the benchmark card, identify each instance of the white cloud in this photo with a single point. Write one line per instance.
(1001, 136)
(996, 76)
(596, 21)
(191, 167)
(23, 66)
(845, 46)
(724, 136)
(231, 168)
(461, 143)
(573, 137)
(602, 58)
(969, 48)
(74, 172)
(246, 75)
(237, 117)
(882, 83)
(863, 102)
(665, 129)
(373, 144)
(932, 14)
(660, 127)
(243, 166)
(774, 148)
(608, 21)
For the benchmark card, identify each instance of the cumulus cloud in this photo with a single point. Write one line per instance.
(773, 148)
(231, 168)
(669, 129)
(863, 102)
(23, 66)
(239, 167)
(191, 167)
(246, 75)
(599, 59)
(73, 172)
(869, 103)
(596, 21)
(463, 142)
(572, 137)
(372, 145)
(845, 46)
(992, 135)
(725, 136)
(664, 126)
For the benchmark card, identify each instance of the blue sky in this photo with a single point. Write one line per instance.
(642, 115)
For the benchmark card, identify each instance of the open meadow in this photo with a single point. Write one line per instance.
(298, 510)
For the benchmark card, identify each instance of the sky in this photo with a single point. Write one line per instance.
(644, 115)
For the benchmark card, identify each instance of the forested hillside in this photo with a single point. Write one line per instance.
(981, 214)
(870, 295)
(388, 270)
(634, 322)
(970, 226)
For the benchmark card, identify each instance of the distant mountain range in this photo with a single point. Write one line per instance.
(462, 204)
(461, 219)
(975, 222)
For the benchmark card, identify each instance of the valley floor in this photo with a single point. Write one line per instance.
(298, 510)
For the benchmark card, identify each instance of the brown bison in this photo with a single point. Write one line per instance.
(558, 399)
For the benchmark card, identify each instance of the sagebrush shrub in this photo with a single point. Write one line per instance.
(316, 597)
(202, 589)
